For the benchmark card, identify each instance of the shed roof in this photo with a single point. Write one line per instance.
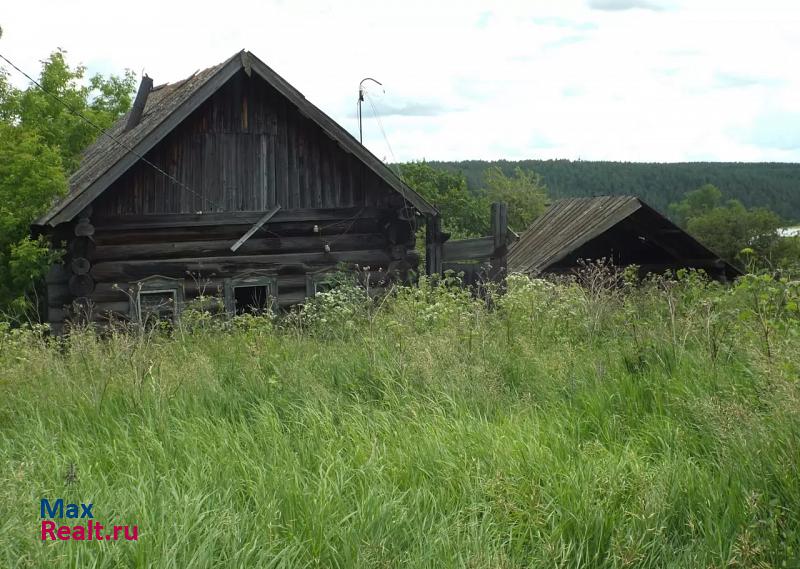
(568, 224)
(115, 151)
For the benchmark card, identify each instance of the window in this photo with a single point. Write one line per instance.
(250, 293)
(157, 299)
(320, 282)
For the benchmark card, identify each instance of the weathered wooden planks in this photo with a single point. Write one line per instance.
(181, 267)
(232, 156)
(155, 221)
(221, 247)
(467, 249)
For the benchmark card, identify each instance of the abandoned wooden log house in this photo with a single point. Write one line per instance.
(229, 182)
(621, 229)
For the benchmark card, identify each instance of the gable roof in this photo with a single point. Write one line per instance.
(570, 223)
(167, 106)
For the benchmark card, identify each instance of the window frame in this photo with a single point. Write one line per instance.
(313, 280)
(249, 279)
(154, 285)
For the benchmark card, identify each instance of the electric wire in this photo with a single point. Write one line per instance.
(391, 152)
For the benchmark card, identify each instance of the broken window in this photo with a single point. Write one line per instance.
(250, 294)
(321, 282)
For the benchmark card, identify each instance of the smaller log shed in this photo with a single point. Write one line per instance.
(227, 183)
(622, 229)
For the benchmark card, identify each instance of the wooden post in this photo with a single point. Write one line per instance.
(433, 245)
(499, 260)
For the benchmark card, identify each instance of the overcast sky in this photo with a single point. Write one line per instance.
(634, 80)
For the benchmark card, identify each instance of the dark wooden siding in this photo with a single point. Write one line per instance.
(127, 250)
(245, 149)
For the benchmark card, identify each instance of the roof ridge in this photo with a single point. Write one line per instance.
(116, 150)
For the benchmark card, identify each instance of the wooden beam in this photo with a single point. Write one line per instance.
(468, 249)
(126, 271)
(254, 246)
(499, 224)
(171, 220)
(256, 226)
(433, 245)
(499, 260)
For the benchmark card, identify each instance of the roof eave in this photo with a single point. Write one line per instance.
(71, 205)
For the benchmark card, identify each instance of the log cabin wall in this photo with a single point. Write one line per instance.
(242, 152)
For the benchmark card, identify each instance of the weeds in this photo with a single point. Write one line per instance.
(570, 424)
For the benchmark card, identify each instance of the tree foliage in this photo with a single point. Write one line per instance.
(696, 203)
(41, 142)
(772, 185)
(748, 236)
(465, 213)
(523, 191)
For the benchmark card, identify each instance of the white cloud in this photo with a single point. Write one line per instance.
(618, 5)
(469, 79)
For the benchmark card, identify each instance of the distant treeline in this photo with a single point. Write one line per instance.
(772, 185)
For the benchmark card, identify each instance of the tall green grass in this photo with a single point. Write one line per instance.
(562, 426)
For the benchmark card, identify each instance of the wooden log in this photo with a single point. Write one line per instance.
(499, 260)
(213, 286)
(121, 307)
(84, 229)
(433, 245)
(132, 270)
(80, 265)
(252, 246)
(499, 224)
(125, 223)
(468, 249)
(81, 285)
(81, 247)
(93, 311)
(232, 232)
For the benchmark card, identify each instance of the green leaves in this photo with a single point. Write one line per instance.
(52, 111)
(31, 177)
(41, 142)
(733, 231)
(524, 192)
(465, 212)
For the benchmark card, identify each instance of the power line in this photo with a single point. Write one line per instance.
(394, 158)
(383, 132)
(104, 132)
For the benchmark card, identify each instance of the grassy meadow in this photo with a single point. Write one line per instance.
(558, 425)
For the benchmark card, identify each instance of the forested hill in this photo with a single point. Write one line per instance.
(772, 185)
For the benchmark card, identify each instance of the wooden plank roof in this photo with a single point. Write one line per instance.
(570, 223)
(167, 106)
